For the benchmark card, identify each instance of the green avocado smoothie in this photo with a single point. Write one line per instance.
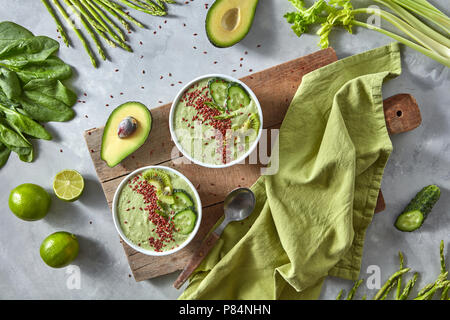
(216, 121)
(157, 210)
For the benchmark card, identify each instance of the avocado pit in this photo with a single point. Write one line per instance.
(127, 127)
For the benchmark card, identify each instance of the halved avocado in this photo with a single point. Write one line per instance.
(229, 21)
(114, 148)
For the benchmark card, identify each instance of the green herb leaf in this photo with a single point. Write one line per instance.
(17, 53)
(9, 83)
(51, 68)
(4, 154)
(22, 123)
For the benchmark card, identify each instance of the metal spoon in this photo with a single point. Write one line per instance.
(238, 205)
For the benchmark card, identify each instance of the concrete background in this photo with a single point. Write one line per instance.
(420, 157)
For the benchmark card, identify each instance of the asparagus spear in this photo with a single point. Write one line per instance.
(441, 255)
(405, 293)
(389, 282)
(112, 12)
(59, 26)
(93, 23)
(425, 289)
(160, 4)
(134, 6)
(120, 12)
(399, 281)
(340, 294)
(89, 30)
(388, 290)
(444, 295)
(77, 32)
(158, 10)
(106, 18)
(440, 283)
(355, 287)
(106, 26)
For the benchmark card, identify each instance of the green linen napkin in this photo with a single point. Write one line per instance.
(311, 216)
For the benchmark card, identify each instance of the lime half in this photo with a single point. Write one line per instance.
(68, 185)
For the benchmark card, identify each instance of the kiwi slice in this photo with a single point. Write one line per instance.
(162, 183)
(165, 185)
(252, 123)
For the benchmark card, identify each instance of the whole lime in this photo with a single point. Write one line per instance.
(29, 202)
(59, 249)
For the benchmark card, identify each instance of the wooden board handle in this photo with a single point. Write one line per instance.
(195, 261)
(402, 114)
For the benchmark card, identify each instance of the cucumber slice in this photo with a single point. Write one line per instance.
(218, 88)
(237, 97)
(182, 200)
(418, 209)
(409, 221)
(184, 221)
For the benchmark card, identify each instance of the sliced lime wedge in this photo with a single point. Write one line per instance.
(68, 185)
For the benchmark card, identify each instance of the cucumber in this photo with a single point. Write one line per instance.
(184, 221)
(182, 200)
(418, 209)
(218, 88)
(237, 97)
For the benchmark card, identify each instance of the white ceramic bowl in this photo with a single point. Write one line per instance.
(138, 248)
(172, 113)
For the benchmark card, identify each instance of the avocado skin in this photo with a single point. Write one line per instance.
(239, 38)
(139, 142)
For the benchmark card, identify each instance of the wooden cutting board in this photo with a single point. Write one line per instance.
(274, 87)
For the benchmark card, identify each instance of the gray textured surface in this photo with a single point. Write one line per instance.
(420, 157)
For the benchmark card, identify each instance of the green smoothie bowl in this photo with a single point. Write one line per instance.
(156, 210)
(216, 121)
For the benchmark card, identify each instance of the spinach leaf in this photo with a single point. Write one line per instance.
(9, 83)
(4, 154)
(10, 138)
(12, 31)
(22, 123)
(15, 142)
(44, 108)
(52, 88)
(17, 53)
(48, 100)
(51, 68)
(7, 102)
(30, 90)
